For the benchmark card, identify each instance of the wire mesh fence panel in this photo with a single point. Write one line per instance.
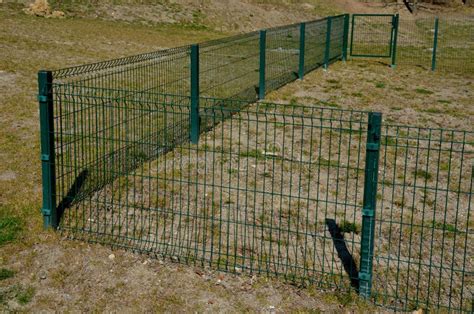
(99, 138)
(336, 37)
(372, 35)
(229, 68)
(315, 44)
(282, 56)
(165, 71)
(423, 255)
(455, 51)
(415, 42)
(273, 189)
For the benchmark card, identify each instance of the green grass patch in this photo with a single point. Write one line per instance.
(444, 101)
(6, 273)
(10, 228)
(423, 91)
(380, 85)
(433, 110)
(422, 173)
(25, 295)
(445, 226)
(349, 227)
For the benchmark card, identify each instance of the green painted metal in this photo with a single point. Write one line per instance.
(369, 203)
(262, 64)
(373, 34)
(327, 50)
(396, 25)
(45, 98)
(346, 36)
(435, 44)
(194, 118)
(302, 50)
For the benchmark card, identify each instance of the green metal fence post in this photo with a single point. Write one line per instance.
(263, 49)
(328, 43)
(194, 112)
(345, 42)
(45, 99)
(435, 45)
(369, 204)
(302, 50)
(395, 22)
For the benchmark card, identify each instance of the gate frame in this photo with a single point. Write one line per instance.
(392, 43)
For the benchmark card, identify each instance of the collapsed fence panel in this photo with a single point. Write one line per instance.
(425, 232)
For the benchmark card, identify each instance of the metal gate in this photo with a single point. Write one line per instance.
(374, 36)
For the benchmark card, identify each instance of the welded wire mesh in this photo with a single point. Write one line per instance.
(371, 35)
(85, 98)
(244, 198)
(416, 42)
(337, 38)
(455, 51)
(315, 46)
(425, 232)
(282, 56)
(229, 68)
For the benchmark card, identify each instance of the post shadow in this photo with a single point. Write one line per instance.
(346, 257)
(72, 193)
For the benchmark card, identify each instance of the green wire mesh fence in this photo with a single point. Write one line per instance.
(425, 232)
(439, 43)
(164, 153)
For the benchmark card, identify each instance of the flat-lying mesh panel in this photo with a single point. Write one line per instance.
(282, 55)
(229, 68)
(424, 237)
(456, 45)
(371, 35)
(267, 189)
(315, 46)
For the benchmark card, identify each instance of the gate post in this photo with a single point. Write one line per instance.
(346, 37)
(45, 99)
(369, 204)
(302, 50)
(395, 23)
(328, 43)
(263, 49)
(194, 112)
(435, 45)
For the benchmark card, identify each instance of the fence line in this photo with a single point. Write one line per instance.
(169, 153)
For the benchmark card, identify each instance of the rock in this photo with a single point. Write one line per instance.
(111, 257)
(42, 275)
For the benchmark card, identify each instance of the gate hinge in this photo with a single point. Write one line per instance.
(369, 212)
(45, 157)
